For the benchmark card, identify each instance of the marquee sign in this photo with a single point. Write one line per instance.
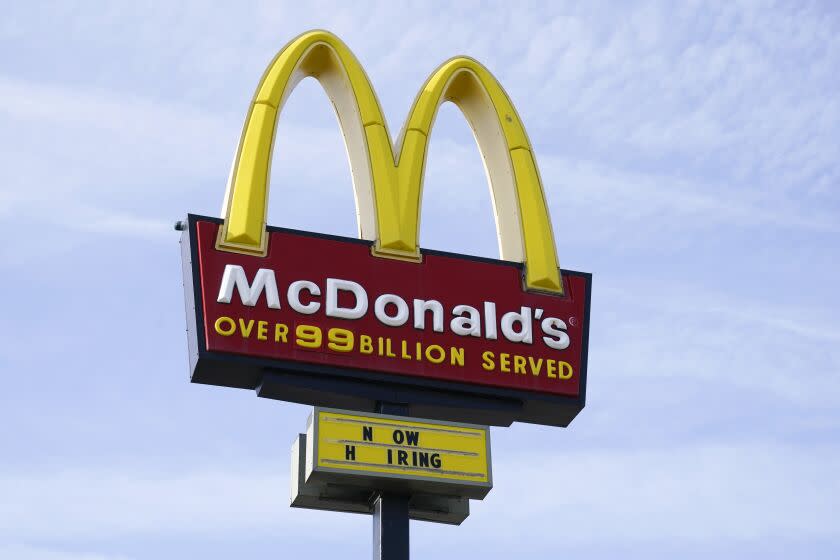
(342, 322)
(374, 450)
(325, 494)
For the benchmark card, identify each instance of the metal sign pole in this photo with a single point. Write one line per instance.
(390, 527)
(390, 511)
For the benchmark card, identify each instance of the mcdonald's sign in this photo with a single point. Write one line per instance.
(342, 322)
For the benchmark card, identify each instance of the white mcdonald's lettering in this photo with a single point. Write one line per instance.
(293, 295)
(392, 309)
(335, 310)
(249, 293)
(388, 178)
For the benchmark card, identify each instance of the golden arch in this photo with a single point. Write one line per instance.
(388, 182)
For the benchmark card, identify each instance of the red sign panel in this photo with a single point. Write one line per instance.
(323, 301)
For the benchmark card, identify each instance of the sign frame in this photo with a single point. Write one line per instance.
(358, 389)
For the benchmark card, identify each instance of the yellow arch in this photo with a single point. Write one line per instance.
(388, 183)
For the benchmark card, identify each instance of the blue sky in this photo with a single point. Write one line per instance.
(689, 155)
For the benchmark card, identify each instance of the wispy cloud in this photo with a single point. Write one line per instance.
(689, 153)
(697, 493)
(717, 340)
(33, 552)
(109, 502)
(636, 495)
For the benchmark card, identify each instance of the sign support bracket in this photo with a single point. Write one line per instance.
(390, 510)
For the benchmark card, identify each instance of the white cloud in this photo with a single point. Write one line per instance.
(644, 111)
(706, 492)
(718, 341)
(684, 492)
(111, 502)
(693, 87)
(94, 161)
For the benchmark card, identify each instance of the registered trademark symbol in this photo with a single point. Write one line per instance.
(573, 321)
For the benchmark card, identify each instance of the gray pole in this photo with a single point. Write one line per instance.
(390, 511)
